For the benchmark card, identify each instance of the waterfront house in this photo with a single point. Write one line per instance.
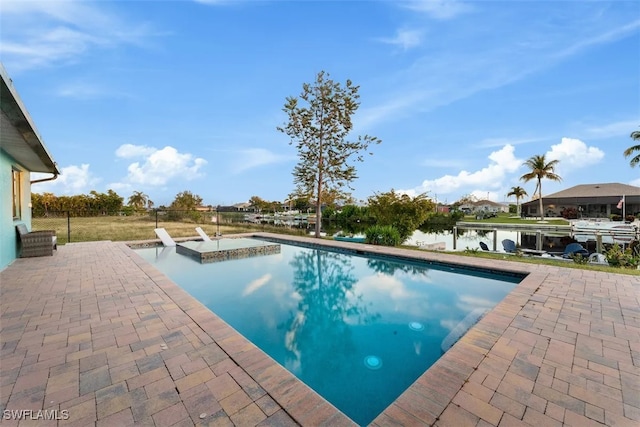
(589, 201)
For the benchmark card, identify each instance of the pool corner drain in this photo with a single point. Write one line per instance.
(373, 362)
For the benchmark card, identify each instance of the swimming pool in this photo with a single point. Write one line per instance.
(358, 330)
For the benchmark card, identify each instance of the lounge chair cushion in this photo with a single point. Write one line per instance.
(164, 236)
(575, 249)
(205, 237)
(509, 246)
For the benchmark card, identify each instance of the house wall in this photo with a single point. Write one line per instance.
(592, 207)
(8, 237)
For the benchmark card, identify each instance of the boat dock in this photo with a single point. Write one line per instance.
(600, 232)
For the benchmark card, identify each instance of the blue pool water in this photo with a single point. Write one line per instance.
(357, 330)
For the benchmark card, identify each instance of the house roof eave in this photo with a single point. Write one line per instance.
(19, 135)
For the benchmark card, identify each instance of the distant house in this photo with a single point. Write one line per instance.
(243, 207)
(21, 152)
(484, 205)
(589, 201)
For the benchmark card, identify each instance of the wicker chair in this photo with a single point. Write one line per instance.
(36, 243)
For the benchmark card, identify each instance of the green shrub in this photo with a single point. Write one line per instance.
(195, 216)
(403, 212)
(385, 235)
(569, 213)
(617, 257)
(579, 258)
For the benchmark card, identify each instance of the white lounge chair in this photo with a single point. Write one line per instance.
(202, 234)
(164, 236)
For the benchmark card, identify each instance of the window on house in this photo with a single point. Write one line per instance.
(16, 177)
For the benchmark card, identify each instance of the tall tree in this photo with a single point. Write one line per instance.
(113, 202)
(186, 201)
(299, 203)
(319, 122)
(401, 211)
(635, 135)
(539, 170)
(138, 200)
(519, 193)
(258, 204)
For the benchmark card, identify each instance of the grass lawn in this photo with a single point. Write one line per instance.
(547, 261)
(130, 228)
(505, 218)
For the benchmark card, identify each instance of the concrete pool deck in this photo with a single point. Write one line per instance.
(94, 335)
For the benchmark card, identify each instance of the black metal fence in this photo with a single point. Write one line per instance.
(77, 226)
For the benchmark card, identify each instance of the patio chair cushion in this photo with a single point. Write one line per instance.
(509, 246)
(36, 243)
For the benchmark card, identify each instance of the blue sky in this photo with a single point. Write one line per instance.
(167, 96)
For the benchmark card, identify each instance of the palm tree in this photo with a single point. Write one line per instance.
(635, 135)
(540, 169)
(519, 192)
(138, 200)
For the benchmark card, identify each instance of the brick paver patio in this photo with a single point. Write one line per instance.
(96, 336)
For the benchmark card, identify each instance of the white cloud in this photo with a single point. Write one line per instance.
(621, 128)
(72, 180)
(501, 142)
(55, 45)
(369, 116)
(406, 39)
(255, 157)
(442, 163)
(388, 294)
(438, 9)
(45, 33)
(502, 162)
(256, 284)
(459, 70)
(159, 166)
(88, 91)
(635, 182)
(388, 287)
(128, 151)
(573, 154)
(599, 39)
(120, 186)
